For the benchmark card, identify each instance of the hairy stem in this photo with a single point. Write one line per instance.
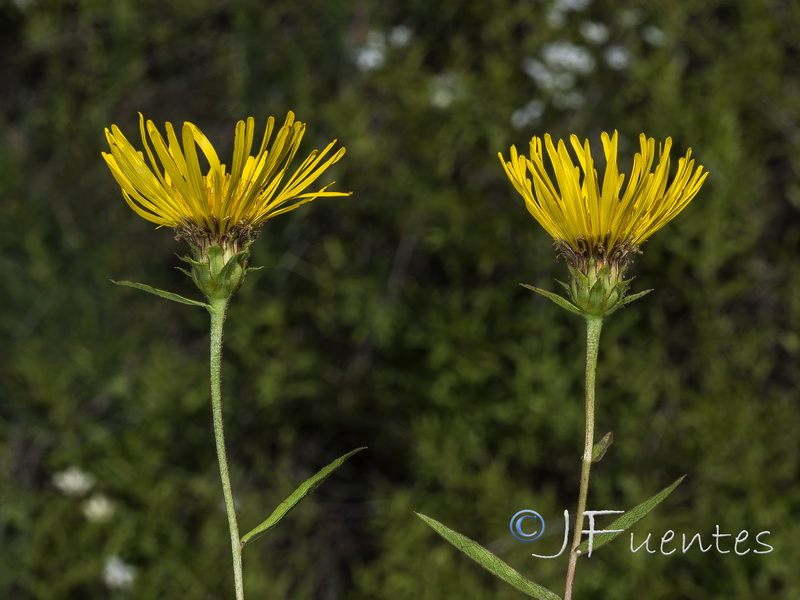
(218, 307)
(593, 327)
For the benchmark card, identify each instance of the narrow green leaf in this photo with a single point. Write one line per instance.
(630, 518)
(600, 448)
(561, 283)
(190, 260)
(562, 302)
(489, 561)
(632, 297)
(303, 490)
(162, 293)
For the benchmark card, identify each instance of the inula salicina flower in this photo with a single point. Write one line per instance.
(598, 226)
(218, 212)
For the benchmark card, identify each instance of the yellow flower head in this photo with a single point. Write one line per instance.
(590, 221)
(221, 207)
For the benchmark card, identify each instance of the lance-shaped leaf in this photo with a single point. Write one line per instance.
(630, 518)
(562, 302)
(633, 297)
(303, 490)
(600, 448)
(490, 562)
(162, 293)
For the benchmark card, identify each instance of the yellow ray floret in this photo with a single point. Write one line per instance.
(172, 191)
(573, 206)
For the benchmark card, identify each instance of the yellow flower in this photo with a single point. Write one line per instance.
(602, 223)
(218, 213)
(221, 206)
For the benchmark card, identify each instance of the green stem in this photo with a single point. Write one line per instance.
(593, 327)
(217, 309)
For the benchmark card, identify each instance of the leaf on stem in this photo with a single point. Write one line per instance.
(562, 302)
(630, 518)
(600, 448)
(633, 297)
(303, 490)
(162, 293)
(489, 561)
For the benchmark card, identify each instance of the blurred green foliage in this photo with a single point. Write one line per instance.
(393, 318)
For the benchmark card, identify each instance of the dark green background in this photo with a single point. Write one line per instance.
(393, 318)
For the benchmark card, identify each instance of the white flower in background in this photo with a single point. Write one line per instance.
(98, 508)
(537, 71)
(565, 5)
(653, 35)
(568, 57)
(445, 89)
(556, 73)
(617, 57)
(528, 114)
(546, 78)
(73, 481)
(562, 63)
(400, 36)
(594, 33)
(556, 15)
(372, 55)
(117, 574)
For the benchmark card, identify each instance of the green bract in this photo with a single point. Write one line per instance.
(216, 273)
